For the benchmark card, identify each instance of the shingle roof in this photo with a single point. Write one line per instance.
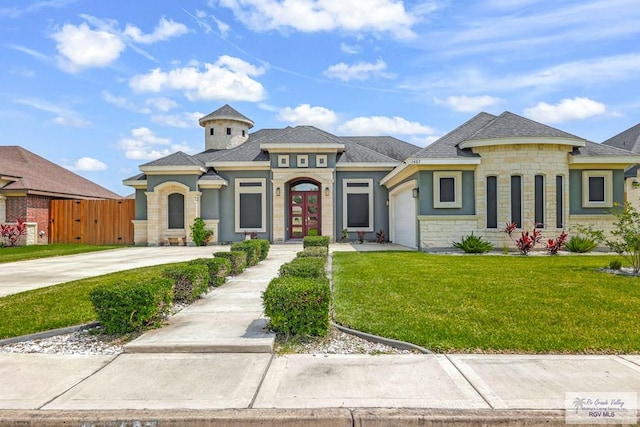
(627, 140)
(33, 173)
(509, 125)
(226, 112)
(387, 145)
(447, 146)
(595, 149)
(176, 159)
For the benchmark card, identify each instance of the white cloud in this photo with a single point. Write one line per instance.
(81, 47)
(143, 144)
(377, 16)
(162, 104)
(164, 30)
(568, 109)
(305, 114)
(228, 78)
(359, 71)
(351, 50)
(469, 104)
(88, 164)
(122, 102)
(63, 115)
(381, 125)
(184, 120)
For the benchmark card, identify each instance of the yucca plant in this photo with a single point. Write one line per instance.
(473, 244)
(580, 244)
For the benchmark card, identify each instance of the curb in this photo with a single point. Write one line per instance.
(48, 334)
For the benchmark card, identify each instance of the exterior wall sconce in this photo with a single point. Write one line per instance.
(415, 192)
(278, 191)
(635, 183)
(326, 191)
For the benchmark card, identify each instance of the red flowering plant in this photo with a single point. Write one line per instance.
(554, 245)
(527, 240)
(11, 233)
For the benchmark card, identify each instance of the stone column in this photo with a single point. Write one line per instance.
(277, 215)
(153, 218)
(191, 212)
(3, 209)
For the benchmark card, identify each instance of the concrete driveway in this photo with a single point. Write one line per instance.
(38, 273)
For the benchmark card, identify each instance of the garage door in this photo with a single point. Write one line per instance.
(404, 221)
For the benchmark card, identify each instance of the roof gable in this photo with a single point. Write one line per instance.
(626, 140)
(509, 125)
(36, 174)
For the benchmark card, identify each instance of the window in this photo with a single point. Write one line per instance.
(516, 200)
(228, 131)
(211, 131)
(357, 201)
(303, 160)
(539, 201)
(244, 133)
(597, 189)
(559, 202)
(175, 203)
(447, 189)
(321, 161)
(283, 161)
(492, 202)
(250, 204)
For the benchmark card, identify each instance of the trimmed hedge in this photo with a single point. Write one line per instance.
(313, 252)
(298, 306)
(304, 267)
(252, 248)
(190, 281)
(218, 269)
(264, 248)
(124, 307)
(310, 241)
(238, 260)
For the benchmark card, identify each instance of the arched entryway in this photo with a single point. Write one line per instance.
(304, 209)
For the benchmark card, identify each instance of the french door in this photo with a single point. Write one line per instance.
(304, 214)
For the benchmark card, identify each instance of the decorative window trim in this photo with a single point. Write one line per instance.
(283, 160)
(457, 177)
(302, 161)
(608, 189)
(321, 161)
(346, 190)
(258, 189)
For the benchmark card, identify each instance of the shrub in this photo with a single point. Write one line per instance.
(616, 264)
(252, 248)
(313, 252)
(554, 245)
(361, 235)
(298, 306)
(312, 232)
(199, 234)
(381, 237)
(12, 233)
(264, 248)
(473, 244)
(238, 260)
(304, 267)
(527, 240)
(217, 268)
(189, 281)
(345, 234)
(129, 306)
(580, 244)
(310, 241)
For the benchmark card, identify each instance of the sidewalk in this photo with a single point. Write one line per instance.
(213, 366)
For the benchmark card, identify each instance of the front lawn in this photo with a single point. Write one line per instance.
(448, 303)
(60, 306)
(21, 253)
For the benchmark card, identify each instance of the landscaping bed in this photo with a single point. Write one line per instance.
(489, 303)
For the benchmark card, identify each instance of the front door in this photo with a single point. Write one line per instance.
(304, 212)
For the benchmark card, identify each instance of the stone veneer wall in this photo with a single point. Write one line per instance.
(503, 161)
(156, 224)
(3, 209)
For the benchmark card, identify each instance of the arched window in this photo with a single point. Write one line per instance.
(175, 203)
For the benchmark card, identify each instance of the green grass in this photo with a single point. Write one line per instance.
(535, 304)
(21, 253)
(59, 306)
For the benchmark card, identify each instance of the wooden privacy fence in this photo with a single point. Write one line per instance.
(92, 222)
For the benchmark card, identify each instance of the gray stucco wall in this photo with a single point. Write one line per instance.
(227, 205)
(141, 204)
(380, 208)
(311, 157)
(190, 181)
(210, 203)
(425, 199)
(575, 193)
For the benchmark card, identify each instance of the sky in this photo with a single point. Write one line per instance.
(101, 87)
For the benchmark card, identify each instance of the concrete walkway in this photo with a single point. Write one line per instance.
(213, 366)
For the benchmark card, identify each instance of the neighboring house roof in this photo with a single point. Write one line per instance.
(226, 112)
(35, 175)
(627, 140)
